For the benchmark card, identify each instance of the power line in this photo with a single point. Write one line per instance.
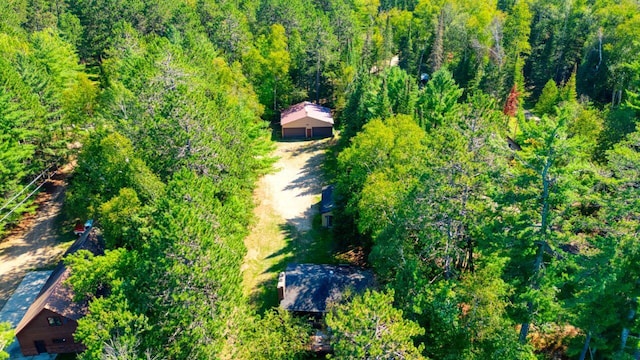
(26, 187)
(46, 172)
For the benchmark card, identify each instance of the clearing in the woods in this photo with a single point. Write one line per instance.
(287, 227)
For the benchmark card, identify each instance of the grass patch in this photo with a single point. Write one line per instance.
(266, 247)
(272, 245)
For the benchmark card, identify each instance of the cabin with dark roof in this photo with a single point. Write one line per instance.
(306, 120)
(326, 206)
(51, 320)
(311, 288)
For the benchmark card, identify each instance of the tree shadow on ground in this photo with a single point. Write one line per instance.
(307, 180)
(314, 246)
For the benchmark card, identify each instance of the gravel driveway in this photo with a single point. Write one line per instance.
(34, 244)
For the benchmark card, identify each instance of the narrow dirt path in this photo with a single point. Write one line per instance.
(286, 203)
(34, 244)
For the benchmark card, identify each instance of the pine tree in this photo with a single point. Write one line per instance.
(548, 99)
(438, 103)
(369, 326)
(538, 206)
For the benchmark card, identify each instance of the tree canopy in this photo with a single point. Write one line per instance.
(487, 166)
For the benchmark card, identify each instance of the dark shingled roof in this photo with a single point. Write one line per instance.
(311, 288)
(55, 295)
(327, 203)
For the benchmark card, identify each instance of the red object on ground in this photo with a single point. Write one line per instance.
(79, 229)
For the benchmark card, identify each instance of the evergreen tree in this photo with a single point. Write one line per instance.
(549, 176)
(438, 103)
(369, 327)
(548, 99)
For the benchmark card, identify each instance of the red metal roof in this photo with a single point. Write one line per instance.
(57, 296)
(306, 109)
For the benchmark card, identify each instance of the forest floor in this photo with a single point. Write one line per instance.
(287, 224)
(35, 244)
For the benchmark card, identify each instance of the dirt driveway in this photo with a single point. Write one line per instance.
(34, 244)
(286, 203)
(297, 183)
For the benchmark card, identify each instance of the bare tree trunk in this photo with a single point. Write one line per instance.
(447, 259)
(585, 348)
(437, 52)
(544, 213)
(318, 79)
(524, 329)
(624, 336)
(275, 92)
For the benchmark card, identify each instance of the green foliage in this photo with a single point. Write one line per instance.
(402, 91)
(121, 219)
(444, 211)
(45, 94)
(618, 123)
(369, 327)
(471, 238)
(484, 298)
(560, 32)
(111, 326)
(551, 176)
(377, 169)
(12, 14)
(107, 164)
(548, 99)
(267, 66)
(276, 335)
(6, 337)
(361, 106)
(438, 103)
(607, 273)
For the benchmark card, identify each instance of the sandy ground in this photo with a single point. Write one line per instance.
(34, 243)
(297, 183)
(286, 198)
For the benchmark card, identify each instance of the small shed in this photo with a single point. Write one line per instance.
(312, 288)
(306, 120)
(49, 323)
(326, 206)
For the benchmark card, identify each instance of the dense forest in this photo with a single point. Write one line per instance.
(488, 164)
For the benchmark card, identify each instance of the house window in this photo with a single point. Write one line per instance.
(59, 341)
(54, 321)
(329, 221)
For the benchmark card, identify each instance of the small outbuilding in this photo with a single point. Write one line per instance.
(326, 206)
(306, 120)
(49, 324)
(312, 288)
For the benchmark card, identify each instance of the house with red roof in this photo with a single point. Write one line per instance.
(49, 323)
(306, 120)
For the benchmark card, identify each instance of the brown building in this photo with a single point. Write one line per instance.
(51, 320)
(306, 120)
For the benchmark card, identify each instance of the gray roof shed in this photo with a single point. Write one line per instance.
(311, 288)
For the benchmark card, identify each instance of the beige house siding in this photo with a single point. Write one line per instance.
(306, 122)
